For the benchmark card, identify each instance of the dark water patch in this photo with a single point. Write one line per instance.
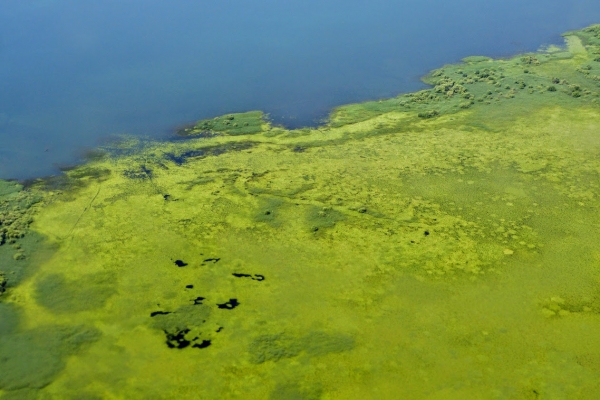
(62, 295)
(230, 305)
(239, 275)
(254, 277)
(182, 327)
(155, 313)
(180, 263)
(189, 286)
(202, 345)
(212, 260)
(198, 300)
(177, 340)
(184, 317)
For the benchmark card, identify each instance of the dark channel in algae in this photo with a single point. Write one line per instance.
(439, 244)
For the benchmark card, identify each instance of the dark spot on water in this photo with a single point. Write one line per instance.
(219, 330)
(189, 286)
(155, 313)
(230, 305)
(426, 233)
(255, 277)
(166, 196)
(203, 345)
(267, 212)
(213, 260)
(177, 340)
(180, 263)
(198, 300)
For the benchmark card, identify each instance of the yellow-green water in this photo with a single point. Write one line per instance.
(432, 246)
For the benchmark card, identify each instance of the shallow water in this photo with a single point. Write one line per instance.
(74, 72)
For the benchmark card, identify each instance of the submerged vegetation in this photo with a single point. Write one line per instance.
(439, 244)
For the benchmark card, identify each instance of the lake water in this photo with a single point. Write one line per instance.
(73, 72)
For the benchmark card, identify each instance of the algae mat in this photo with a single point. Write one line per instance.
(442, 244)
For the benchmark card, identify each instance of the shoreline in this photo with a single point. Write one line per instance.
(73, 163)
(442, 243)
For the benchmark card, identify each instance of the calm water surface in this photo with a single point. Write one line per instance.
(73, 72)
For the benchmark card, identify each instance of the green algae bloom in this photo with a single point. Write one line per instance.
(443, 244)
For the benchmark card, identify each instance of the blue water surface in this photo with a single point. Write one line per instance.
(73, 72)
